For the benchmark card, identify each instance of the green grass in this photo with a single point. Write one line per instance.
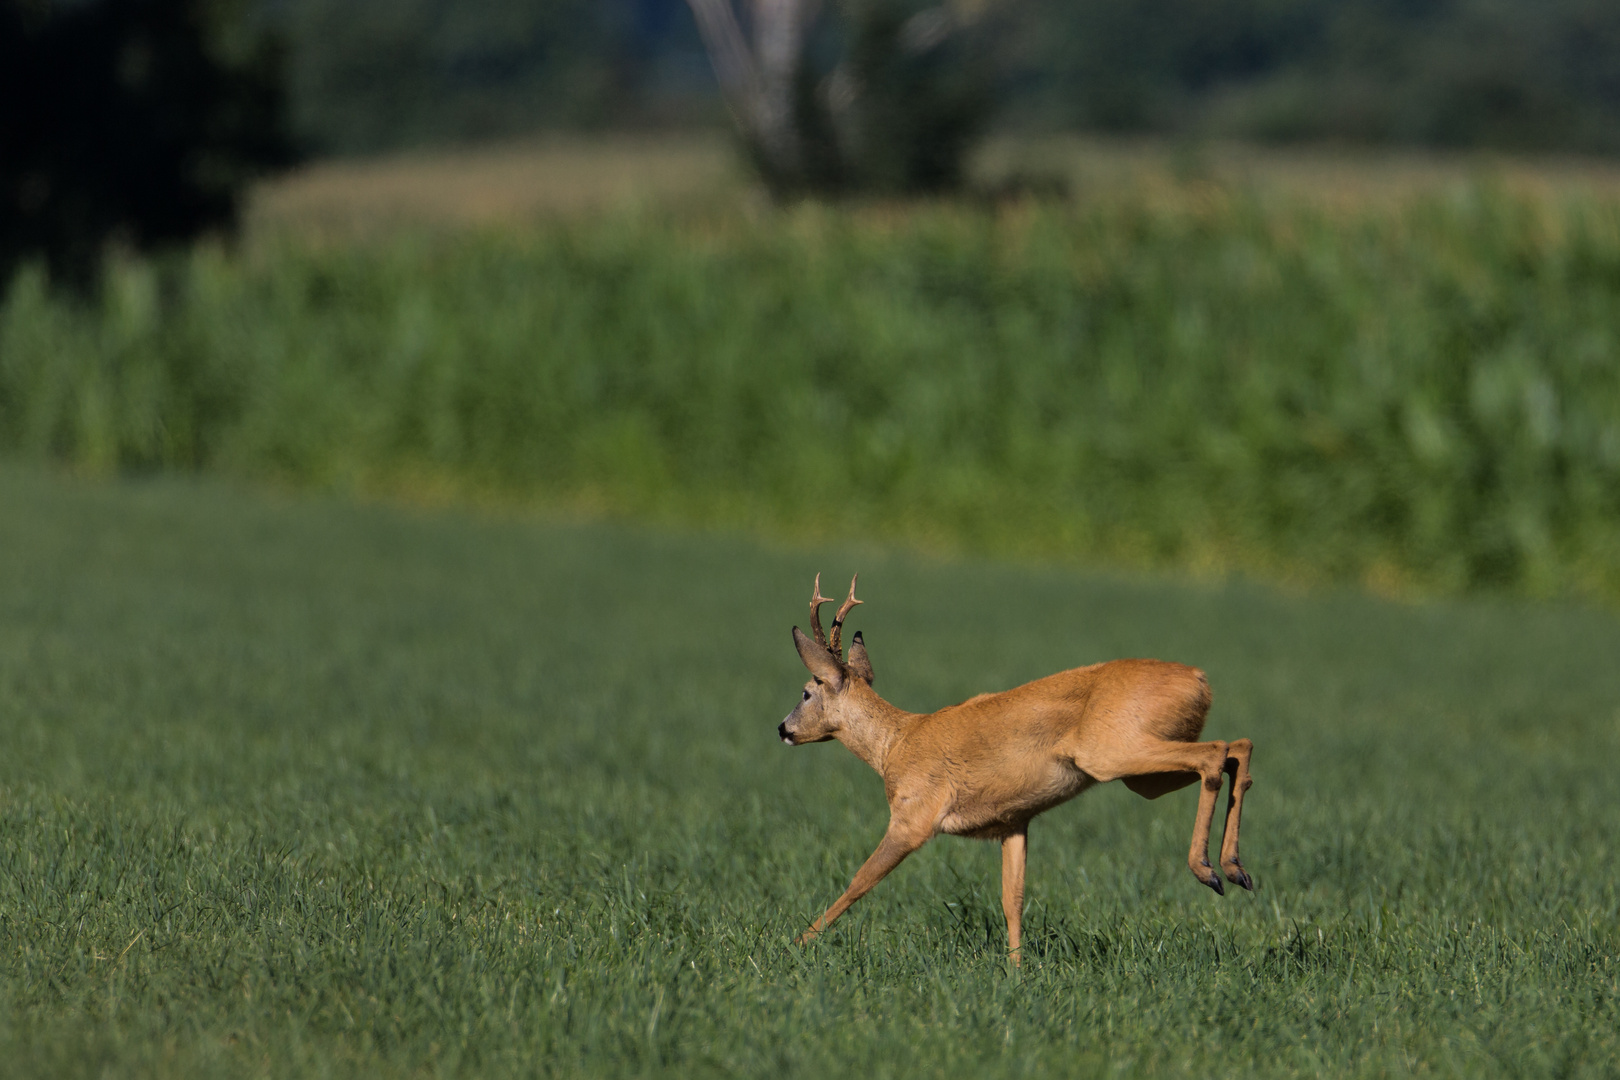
(1421, 396)
(306, 788)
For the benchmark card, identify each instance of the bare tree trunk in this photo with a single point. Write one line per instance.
(896, 114)
(760, 79)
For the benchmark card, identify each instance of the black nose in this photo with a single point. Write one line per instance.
(781, 731)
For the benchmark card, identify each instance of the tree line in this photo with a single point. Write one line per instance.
(140, 120)
(1509, 74)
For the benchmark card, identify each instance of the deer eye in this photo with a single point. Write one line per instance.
(807, 695)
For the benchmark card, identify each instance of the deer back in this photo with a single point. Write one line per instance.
(1023, 750)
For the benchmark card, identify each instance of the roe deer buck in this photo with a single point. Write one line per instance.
(985, 767)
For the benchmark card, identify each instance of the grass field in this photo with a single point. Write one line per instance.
(498, 186)
(296, 787)
(513, 185)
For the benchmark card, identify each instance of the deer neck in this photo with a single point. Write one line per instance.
(871, 726)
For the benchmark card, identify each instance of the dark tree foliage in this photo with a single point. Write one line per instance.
(1515, 74)
(125, 120)
(370, 75)
(1528, 74)
(926, 91)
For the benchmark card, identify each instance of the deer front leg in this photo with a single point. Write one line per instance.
(1014, 848)
(897, 843)
(1237, 763)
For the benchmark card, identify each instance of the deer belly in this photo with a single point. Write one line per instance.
(999, 805)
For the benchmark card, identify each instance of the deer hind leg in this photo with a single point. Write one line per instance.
(1237, 763)
(1144, 769)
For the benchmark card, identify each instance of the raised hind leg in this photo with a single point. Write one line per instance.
(1161, 766)
(1237, 763)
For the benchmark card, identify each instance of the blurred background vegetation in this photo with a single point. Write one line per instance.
(1195, 283)
(1516, 74)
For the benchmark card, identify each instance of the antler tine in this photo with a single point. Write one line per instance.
(816, 600)
(838, 620)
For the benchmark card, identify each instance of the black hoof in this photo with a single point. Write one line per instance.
(1215, 883)
(1241, 878)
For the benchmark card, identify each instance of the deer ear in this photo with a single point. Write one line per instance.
(816, 657)
(859, 662)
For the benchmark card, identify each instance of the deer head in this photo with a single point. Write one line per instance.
(826, 702)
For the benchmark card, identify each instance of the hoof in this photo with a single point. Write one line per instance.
(1239, 876)
(1213, 881)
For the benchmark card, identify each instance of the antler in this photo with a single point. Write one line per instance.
(838, 620)
(816, 600)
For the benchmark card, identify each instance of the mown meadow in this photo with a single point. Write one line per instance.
(1422, 397)
(300, 787)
